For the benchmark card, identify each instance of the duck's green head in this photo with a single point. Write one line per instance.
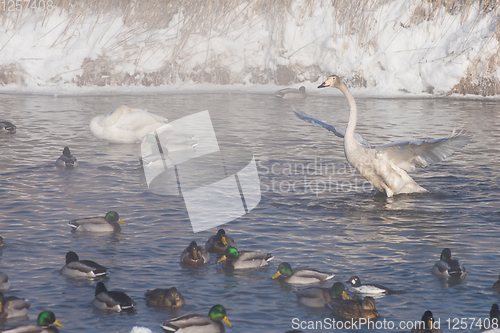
(428, 320)
(446, 254)
(231, 253)
(338, 290)
(284, 269)
(218, 313)
(46, 318)
(193, 249)
(113, 217)
(221, 236)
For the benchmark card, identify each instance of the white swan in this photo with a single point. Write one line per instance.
(125, 125)
(386, 166)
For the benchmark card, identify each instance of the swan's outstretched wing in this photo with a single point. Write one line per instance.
(409, 154)
(338, 131)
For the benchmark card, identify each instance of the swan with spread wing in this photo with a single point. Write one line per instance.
(386, 166)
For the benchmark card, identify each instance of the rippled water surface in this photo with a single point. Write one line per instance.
(315, 211)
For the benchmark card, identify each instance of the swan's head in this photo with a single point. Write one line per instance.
(333, 81)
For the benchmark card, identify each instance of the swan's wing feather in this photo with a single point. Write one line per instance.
(410, 154)
(338, 131)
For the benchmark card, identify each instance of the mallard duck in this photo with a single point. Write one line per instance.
(292, 93)
(300, 276)
(43, 325)
(125, 125)
(428, 322)
(111, 300)
(7, 127)
(194, 255)
(244, 259)
(12, 306)
(370, 289)
(355, 309)
(66, 160)
(82, 268)
(320, 297)
(496, 285)
(169, 298)
(108, 223)
(4, 282)
(198, 323)
(219, 242)
(494, 318)
(447, 267)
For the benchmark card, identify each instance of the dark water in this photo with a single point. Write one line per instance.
(315, 211)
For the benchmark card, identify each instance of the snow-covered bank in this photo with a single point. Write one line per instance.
(417, 47)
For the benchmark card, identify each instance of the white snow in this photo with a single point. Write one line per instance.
(394, 53)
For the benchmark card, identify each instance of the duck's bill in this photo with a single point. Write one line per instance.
(227, 321)
(223, 239)
(345, 295)
(222, 259)
(195, 254)
(276, 275)
(121, 221)
(58, 323)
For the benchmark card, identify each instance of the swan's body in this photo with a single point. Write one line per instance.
(386, 166)
(292, 93)
(125, 125)
(66, 160)
(77, 268)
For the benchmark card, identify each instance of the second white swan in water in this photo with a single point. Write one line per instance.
(125, 125)
(386, 166)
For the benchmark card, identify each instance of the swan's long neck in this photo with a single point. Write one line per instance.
(353, 116)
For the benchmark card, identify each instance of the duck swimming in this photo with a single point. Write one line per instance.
(125, 125)
(355, 309)
(370, 289)
(43, 325)
(168, 298)
(320, 297)
(447, 267)
(4, 282)
(300, 276)
(195, 323)
(386, 166)
(7, 127)
(428, 322)
(235, 259)
(194, 255)
(77, 268)
(108, 223)
(66, 160)
(111, 300)
(292, 93)
(219, 242)
(12, 306)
